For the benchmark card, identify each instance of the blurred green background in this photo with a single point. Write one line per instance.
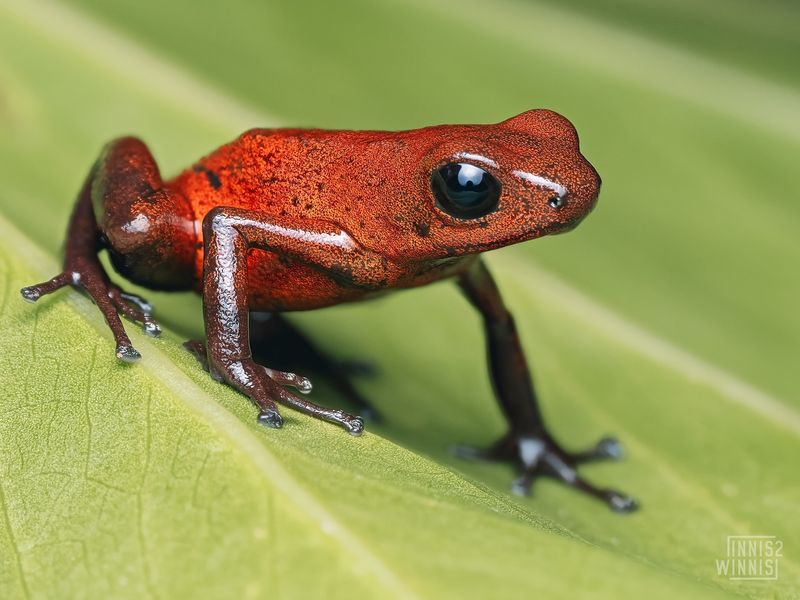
(667, 318)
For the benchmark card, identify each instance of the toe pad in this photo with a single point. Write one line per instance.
(270, 418)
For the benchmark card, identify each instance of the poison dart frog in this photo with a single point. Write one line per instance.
(286, 220)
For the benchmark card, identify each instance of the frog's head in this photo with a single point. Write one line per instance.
(495, 185)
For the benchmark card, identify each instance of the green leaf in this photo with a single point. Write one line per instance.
(667, 318)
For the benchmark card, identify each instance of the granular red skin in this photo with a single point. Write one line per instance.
(375, 186)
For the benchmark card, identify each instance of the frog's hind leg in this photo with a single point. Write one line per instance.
(276, 341)
(111, 176)
(83, 269)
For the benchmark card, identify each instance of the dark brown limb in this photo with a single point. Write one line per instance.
(82, 269)
(135, 309)
(228, 235)
(300, 383)
(509, 370)
(276, 341)
(527, 443)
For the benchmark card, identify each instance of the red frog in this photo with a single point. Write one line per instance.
(296, 219)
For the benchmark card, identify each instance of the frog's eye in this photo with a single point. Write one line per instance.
(465, 191)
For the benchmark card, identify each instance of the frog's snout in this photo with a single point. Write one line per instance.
(588, 203)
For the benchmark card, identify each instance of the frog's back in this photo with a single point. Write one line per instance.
(286, 172)
(297, 177)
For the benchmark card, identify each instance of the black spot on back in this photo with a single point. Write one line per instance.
(422, 229)
(213, 179)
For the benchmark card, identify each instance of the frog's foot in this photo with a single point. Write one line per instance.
(275, 380)
(541, 455)
(275, 340)
(87, 274)
(135, 309)
(298, 382)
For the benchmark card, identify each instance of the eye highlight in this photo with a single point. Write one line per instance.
(465, 191)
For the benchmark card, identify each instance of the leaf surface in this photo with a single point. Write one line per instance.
(666, 319)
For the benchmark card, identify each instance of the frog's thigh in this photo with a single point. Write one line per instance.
(148, 228)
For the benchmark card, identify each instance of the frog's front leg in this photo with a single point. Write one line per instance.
(228, 235)
(277, 341)
(527, 443)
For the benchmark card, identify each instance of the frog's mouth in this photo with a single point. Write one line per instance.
(559, 228)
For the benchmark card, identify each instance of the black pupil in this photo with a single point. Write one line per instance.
(464, 190)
